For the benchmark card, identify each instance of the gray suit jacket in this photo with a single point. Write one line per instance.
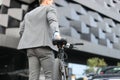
(38, 28)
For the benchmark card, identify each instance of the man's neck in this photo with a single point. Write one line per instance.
(44, 3)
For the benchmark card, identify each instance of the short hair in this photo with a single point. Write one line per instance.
(40, 1)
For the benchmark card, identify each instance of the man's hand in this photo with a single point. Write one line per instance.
(57, 36)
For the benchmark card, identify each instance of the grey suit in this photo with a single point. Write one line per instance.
(37, 31)
(38, 28)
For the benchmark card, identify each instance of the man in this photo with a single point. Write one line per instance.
(37, 30)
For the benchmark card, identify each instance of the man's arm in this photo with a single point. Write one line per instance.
(53, 21)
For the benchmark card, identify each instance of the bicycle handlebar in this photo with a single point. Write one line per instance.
(72, 45)
(62, 42)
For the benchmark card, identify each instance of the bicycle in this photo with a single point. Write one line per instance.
(61, 71)
(60, 68)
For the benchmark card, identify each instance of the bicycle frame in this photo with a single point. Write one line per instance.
(62, 62)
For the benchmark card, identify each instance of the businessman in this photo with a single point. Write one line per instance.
(37, 30)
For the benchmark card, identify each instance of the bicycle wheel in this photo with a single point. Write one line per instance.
(60, 71)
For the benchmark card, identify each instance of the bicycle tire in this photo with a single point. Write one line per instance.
(58, 71)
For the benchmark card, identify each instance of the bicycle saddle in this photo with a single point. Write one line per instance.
(59, 42)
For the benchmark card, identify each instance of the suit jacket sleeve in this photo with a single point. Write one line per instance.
(22, 25)
(52, 18)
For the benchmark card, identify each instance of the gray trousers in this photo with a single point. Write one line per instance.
(40, 57)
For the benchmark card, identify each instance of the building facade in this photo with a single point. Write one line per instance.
(95, 23)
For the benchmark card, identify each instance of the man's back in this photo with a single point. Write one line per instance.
(37, 31)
